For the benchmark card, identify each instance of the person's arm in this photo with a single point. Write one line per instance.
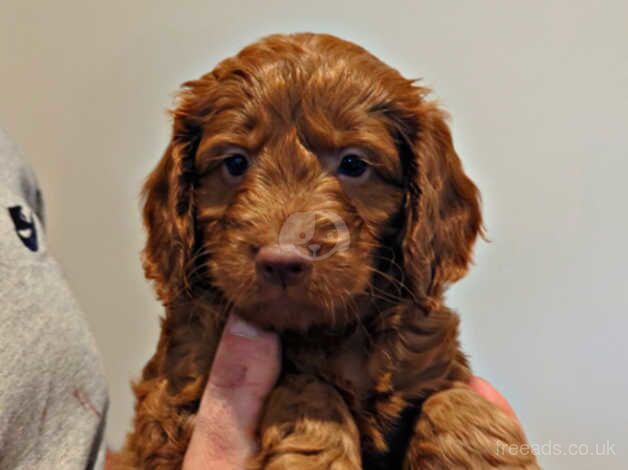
(51, 375)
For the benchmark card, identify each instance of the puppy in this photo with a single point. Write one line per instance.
(314, 191)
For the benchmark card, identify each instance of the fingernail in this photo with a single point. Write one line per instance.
(239, 327)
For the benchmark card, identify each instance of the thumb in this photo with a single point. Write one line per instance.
(244, 371)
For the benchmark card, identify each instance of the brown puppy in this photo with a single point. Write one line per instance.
(315, 191)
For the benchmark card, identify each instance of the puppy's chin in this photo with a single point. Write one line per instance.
(280, 309)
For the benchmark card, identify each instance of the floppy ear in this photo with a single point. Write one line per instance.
(442, 208)
(169, 199)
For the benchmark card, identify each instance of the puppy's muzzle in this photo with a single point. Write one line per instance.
(282, 265)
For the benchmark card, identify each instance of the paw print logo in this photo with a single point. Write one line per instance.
(24, 227)
(302, 228)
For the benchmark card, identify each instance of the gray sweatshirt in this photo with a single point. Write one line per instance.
(53, 396)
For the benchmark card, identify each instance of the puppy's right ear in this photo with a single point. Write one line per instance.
(168, 195)
(169, 222)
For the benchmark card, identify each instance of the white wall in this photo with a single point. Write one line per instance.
(539, 95)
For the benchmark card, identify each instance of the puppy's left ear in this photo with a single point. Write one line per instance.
(442, 206)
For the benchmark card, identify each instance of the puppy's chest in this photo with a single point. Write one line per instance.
(342, 364)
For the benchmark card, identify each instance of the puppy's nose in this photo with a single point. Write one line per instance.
(282, 265)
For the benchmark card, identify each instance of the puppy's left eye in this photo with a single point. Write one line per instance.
(234, 166)
(352, 165)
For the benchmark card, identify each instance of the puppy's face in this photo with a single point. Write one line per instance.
(297, 188)
(297, 164)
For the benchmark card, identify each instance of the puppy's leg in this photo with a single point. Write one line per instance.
(459, 429)
(162, 427)
(307, 425)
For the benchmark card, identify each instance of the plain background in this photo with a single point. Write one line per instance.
(538, 91)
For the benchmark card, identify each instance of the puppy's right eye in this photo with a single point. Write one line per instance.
(236, 165)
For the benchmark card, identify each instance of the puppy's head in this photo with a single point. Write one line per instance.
(300, 174)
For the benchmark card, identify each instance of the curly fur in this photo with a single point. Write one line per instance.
(373, 373)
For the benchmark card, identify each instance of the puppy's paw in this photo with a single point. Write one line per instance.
(301, 461)
(459, 429)
(308, 426)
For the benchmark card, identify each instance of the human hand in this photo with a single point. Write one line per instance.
(486, 390)
(244, 371)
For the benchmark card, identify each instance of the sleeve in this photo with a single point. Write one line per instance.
(53, 396)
